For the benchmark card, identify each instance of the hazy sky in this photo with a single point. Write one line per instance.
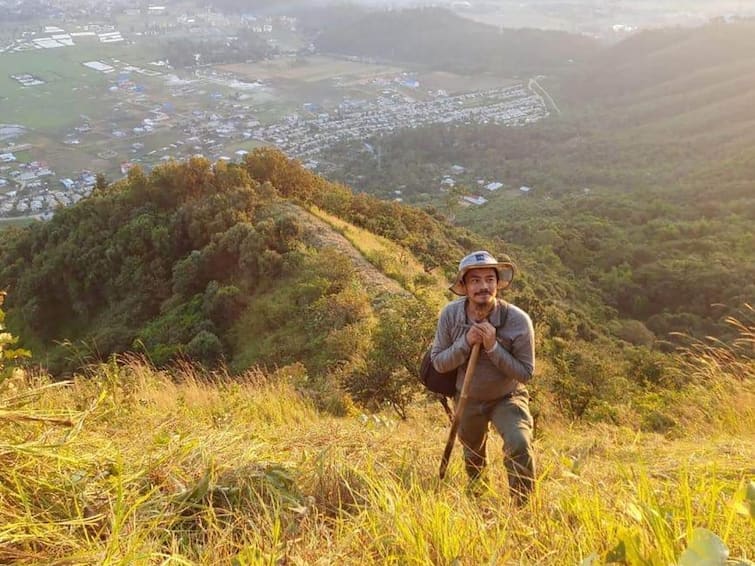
(587, 15)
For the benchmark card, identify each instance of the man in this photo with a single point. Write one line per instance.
(497, 393)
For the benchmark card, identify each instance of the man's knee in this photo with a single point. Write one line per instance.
(517, 443)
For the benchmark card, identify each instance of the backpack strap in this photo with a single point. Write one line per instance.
(505, 317)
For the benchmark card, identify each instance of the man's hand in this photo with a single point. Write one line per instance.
(487, 331)
(482, 333)
(474, 335)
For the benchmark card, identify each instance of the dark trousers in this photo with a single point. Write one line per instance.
(512, 419)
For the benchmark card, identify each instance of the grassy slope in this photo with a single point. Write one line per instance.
(390, 258)
(383, 269)
(201, 473)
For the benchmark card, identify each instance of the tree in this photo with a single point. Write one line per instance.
(100, 184)
(453, 199)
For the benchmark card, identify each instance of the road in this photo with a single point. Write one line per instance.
(543, 93)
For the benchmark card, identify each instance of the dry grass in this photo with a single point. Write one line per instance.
(394, 261)
(190, 468)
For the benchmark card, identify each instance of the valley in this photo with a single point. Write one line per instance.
(100, 101)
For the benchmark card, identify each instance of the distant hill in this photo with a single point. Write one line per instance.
(692, 85)
(652, 61)
(439, 39)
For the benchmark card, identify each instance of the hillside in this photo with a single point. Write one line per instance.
(438, 39)
(690, 86)
(130, 465)
(643, 195)
(266, 264)
(260, 264)
(665, 61)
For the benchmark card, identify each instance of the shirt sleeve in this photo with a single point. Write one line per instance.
(448, 354)
(518, 364)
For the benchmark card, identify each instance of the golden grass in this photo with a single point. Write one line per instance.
(393, 260)
(201, 469)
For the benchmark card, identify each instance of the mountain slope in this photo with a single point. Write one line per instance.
(159, 467)
(695, 86)
(439, 39)
(169, 262)
(247, 265)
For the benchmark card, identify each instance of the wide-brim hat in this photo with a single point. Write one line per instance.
(482, 259)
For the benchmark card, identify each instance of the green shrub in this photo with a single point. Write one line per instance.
(205, 347)
(222, 304)
(405, 327)
(634, 332)
(585, 376)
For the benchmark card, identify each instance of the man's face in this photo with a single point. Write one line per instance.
(481, 285)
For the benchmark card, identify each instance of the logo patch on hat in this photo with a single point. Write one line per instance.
(479, 257)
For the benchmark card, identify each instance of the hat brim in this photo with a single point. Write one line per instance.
(505, 269)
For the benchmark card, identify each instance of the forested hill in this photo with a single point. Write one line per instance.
(691, 86)
(266, 264)
(651, 62)
(437, 38)
(220, 261)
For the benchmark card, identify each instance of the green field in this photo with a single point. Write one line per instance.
(6, 223)
(70, 89)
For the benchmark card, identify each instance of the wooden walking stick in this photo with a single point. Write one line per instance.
(459, 408)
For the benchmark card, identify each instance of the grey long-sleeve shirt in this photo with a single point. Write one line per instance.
(506, 368)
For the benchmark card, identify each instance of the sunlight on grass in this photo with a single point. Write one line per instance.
(390, 258)
(196, 468)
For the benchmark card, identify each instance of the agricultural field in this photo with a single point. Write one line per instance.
(69, 90)
(86, 107)
(310, 69)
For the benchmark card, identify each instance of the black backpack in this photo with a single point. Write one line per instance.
(435, 381)
(442, 384)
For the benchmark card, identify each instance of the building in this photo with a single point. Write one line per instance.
(475, 199)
